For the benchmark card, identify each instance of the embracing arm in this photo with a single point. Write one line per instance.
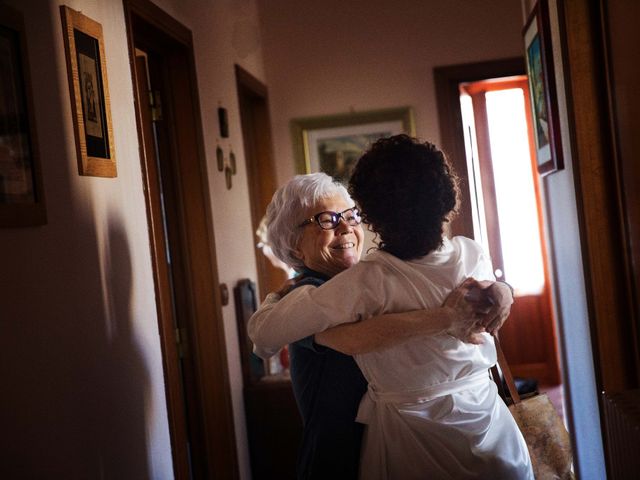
(462, 316)
(459, 316)
(270, 331)
(280, 321)
(307, 310)
(385, 331)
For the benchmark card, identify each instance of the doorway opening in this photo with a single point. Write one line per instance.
(182, 244)
(491, 145)
(258, 150)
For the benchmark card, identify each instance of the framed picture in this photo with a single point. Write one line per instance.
(333, 144)
(21, 193)
(544, 105)
(87, 72)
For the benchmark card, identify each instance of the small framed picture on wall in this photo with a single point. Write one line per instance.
(88, 85)
(333, 144)
(21, 193)
(539, 59)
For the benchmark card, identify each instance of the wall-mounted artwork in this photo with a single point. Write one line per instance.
(88, 85)
(537, 40)
(21, 193)
(333, 144)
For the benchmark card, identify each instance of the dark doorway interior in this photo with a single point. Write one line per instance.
(256, 132)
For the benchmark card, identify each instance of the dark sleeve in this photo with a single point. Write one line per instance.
(309, 342)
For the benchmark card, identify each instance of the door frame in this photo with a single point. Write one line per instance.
(253, 100)
(216, 447)
(605, 233)
(547, 372)
(447, 81)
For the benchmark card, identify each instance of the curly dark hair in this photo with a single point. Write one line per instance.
(407, 191)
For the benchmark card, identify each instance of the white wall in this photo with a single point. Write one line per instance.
(333, 56)
(80, 360)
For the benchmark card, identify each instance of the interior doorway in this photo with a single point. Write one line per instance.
(258, 150)
(507, 216)
(182, 246)
(485, 128)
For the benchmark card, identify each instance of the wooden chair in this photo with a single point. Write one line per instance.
(274, 426)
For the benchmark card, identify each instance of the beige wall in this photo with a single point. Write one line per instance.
(333, 56)
(80, 361)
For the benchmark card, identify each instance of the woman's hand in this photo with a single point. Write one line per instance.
(478, 306)
(462, 316)
(491, 301)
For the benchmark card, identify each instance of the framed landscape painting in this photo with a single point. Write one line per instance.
(333, 144)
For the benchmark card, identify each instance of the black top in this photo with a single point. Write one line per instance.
(328, 386)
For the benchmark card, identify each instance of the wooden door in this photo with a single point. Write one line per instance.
(600, 44)
(509, 219)
(256, 133)
(164, 292)
(182, 245)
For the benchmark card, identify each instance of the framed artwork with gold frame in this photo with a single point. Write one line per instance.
(21, 193)
(89, 91)
(333, 144)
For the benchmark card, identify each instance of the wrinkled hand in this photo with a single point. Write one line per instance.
(462, 315)
(491, 301)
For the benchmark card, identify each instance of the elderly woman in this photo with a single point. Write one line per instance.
(314, 227)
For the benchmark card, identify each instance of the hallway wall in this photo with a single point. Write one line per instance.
(80, 360)
(364, 55)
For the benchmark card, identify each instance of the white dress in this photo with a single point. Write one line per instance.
(431, 409)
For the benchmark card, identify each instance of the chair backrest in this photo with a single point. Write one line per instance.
(246, 304)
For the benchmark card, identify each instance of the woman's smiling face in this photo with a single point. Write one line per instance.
(330, 251)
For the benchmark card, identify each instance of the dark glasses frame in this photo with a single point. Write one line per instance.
(335, 218)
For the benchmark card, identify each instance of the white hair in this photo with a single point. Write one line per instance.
(288, 208)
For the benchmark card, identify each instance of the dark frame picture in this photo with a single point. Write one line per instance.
(544, 104)
(88, 85)
(333, 144)
(21, 193)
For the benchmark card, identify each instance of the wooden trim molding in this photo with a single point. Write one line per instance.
(603, 228)
(213, 446)
(600, 216)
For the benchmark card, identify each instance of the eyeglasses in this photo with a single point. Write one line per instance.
(330, 220)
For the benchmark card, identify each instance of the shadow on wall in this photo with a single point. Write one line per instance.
(74, 382)
(121, 389)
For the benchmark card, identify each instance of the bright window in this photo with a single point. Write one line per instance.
(515, 194)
